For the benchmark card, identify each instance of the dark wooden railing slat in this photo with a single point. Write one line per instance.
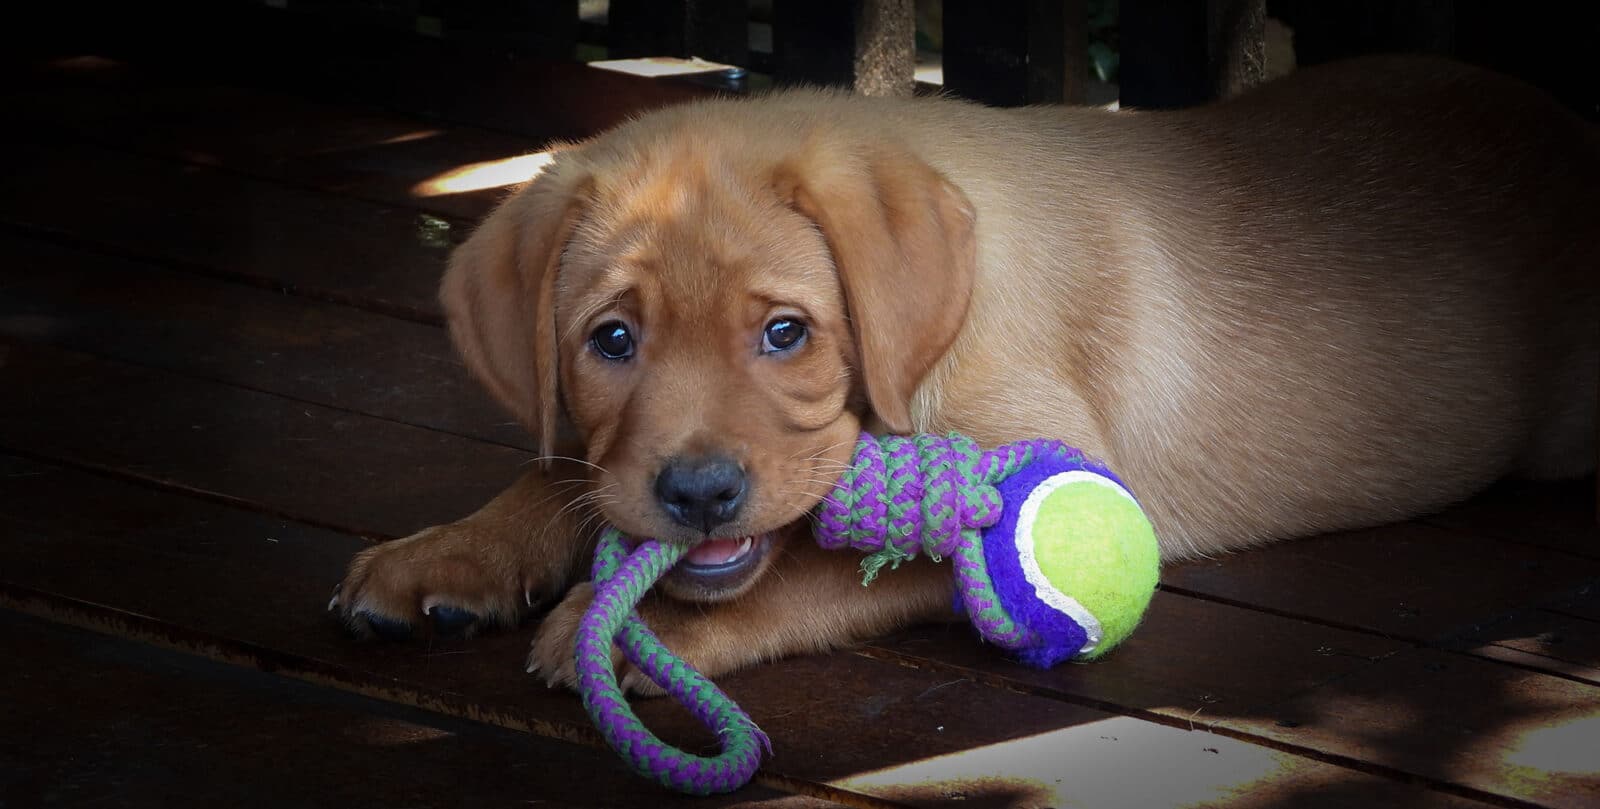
(546, 28)
(717, 30)
(1178, 53)
(865, 44)
(1009, 54)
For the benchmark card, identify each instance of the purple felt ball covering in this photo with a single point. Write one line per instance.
(1061, 638)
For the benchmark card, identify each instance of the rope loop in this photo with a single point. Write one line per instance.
(620, 581)
(901, 497)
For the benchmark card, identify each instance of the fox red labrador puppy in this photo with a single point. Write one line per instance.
(1348, 297)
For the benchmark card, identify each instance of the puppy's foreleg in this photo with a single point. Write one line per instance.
(810, 600)
(491, 568)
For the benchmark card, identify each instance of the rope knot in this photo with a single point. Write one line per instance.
(900, 497)
(983, 507)
(905, 496)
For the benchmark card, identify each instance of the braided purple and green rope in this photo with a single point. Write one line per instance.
(900, 497)
(620, 580)
(933, 495)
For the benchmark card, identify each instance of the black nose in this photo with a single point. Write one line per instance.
(701, 492)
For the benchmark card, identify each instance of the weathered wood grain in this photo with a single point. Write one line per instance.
(324, 245)
(332, 467)
(94, 720)
(308, 350)
(247, 588)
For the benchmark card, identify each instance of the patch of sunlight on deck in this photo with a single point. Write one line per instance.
(487, 174)
(1572, 746)
(1110, 763)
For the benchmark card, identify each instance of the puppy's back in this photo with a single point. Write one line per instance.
(1348, 297)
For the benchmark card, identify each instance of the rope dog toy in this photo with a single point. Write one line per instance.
(1054, 561)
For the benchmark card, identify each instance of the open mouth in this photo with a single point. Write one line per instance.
(721, 563)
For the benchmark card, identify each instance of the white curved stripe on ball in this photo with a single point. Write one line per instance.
(1042, 588)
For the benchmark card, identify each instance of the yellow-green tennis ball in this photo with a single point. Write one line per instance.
(1074, 559)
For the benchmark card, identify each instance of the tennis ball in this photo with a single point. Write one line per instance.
(1073, 558)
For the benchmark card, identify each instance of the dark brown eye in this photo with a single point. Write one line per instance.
(613, 341)
(782, 334)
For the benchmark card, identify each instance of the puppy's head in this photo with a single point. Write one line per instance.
(713, 307)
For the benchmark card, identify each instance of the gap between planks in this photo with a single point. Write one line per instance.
(371, 535)
(111, 621)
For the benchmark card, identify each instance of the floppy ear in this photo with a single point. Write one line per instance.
(498, 297)
(902, 241)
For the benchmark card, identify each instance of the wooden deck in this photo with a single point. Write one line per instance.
(223, 373)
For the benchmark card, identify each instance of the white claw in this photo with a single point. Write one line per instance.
(333, 603)
(429, 603)
(527, 595)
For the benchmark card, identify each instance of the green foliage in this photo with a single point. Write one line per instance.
(1103, 41)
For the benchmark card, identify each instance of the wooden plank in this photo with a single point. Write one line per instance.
(1071, 768)
(439, 78)
(1408, 581)
(1248, 666)
(1548, 514)
(297, 458)
(1237, 691)
(1191, 661)
(94, 720)
(1542, 640)
(354, 150)
(91, 449)
(331, 247)
(1565, 642)
(231, 594)
(226, 589)
(1519, 734)
(1251, 678)
(310, 351)
(1416, 583)
(358, 371)
(1581, 602)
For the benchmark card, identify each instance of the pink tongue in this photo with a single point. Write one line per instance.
(714, 552)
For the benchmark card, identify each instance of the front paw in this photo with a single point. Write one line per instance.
(444, 581)
(554, 653)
